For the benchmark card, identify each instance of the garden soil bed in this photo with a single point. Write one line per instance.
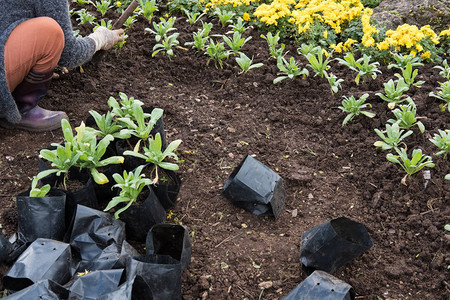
(294, 128)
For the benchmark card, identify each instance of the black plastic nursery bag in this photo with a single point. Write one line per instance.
(167, 192)
(139, 218)
(42, 217)
(43, 259)
(93, 231)
(95, 284)
(256, 188)
(321, 286)
(170, 239)
(155, 275)
(44, 289)
(84, 196)
(124, 291)
(333, 244)
(5, 248)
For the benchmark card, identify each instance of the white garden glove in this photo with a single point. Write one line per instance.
(105, 39)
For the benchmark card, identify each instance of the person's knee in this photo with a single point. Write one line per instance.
(52, 30)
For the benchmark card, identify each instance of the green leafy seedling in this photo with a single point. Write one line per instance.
(394, 93)
(394, 136)
(246, 63)
(353, 107)
(443, 94)
(442, 141)
(411, 166)
(406, 116)
(289, 69)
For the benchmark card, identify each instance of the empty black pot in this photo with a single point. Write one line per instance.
(256, 188)
(321, 286)
(333, 244)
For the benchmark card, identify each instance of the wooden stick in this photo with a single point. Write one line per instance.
(127, 12)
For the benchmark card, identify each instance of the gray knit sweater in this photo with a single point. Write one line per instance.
(12, 13)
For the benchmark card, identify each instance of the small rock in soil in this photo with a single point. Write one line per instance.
(265, 284)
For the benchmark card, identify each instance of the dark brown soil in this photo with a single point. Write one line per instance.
(294, 128)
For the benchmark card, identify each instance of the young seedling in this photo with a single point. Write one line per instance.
(84, 17)
(362, 66)
(246, 63)
(236, 43)
(154, 155)
(130, 184)
(167, 44)
(103, 6)
(394, 136)
(125, 108)
(83, 2)
(355, 107)
(408, 75)
(290, 69)
(36, 191)
(335, 83)
(239, 26)
(306, 49)
(137, 123)
(192, 17)
(445, 69)
(225, 16)
(394, 93)
(272, 41)
(442, 141)
(411, 166)
(148, 7)
(443, 94)
(107, 125)
(200, 37)
(401, 61)
(316, 62)
(216, 52)
(130, 21)
(406, 116)
(162, 28)
(121, 43)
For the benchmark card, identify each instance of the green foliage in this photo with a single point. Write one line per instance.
(238, 26)
(84, 17)
(200, 37)
(236, 43)
(408, 75)
(442, 141)
(316, 62)
(411, 166)
(353, 107)
(246, 63)
(148, 7)
(192, 17)
(272, 41)
(225, 16)
(130, 185)
(167, 44)
(362, 66)
(103, 6)
(138, 125)
(290, 69)
(162, 28)
(394, 93)
(107, 125)
(406, 116)
(130, 21)
(36, 191)
(123, 108)
(103, 23)
(217, 52)
(444, 69)
(335, 83)
(443, 94)
(371, 3)
(401, 61)
(394, 136)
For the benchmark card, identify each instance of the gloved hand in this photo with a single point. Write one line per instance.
(105, 39)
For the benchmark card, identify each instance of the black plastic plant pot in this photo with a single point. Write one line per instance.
(124, 291)
(167, 191)
(156, 275)
(170, 239)
(43, 259)
(139, 218)
(5, 248)
(256, 188)
(333, 244)
(44, 289)
(93, 231)
(42, 217)
(95, 284)
(321, 286)
(84, 196)
(130, 162)
(157, 128)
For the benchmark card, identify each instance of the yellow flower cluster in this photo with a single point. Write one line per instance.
(409, 37)
(331, 12)
(270, 13)
(343, 47)
(368, 30)
(445, 32)
(234, 3)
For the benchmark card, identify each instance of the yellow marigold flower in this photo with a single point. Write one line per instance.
(445, 32)
(419, 47)
(337, 48)
(246, 17)
(384, 45)
(413, 52)
(118, 4)
(348, 43)
(425, 55)
(325, 52)
(325, 34)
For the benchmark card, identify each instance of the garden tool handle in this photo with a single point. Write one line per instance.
(126, 13)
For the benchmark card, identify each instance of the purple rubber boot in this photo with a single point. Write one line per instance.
(27, 96)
